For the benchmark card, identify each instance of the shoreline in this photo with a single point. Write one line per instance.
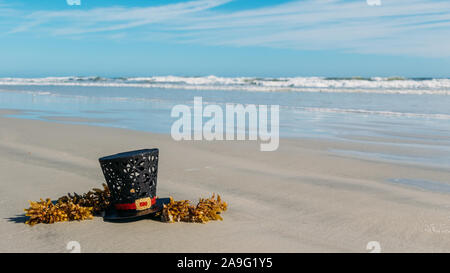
(300, 198)
(396, 148)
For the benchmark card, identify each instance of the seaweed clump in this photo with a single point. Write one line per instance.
(207, 209)
(45, 211)
(72, 207)
(98, 199)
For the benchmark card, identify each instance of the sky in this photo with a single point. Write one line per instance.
(330, 38)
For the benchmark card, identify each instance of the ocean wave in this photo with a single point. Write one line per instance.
(373, 112)
(396, 85)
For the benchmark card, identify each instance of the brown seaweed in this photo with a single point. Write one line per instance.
(45, 211)
(98, 199)
(183, 211)
(71, 207)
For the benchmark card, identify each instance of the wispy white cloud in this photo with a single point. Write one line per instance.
(69, 22)
(412, 27)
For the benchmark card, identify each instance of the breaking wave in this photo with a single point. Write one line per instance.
(395, 85)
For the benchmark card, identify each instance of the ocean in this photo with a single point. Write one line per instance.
(412, 115)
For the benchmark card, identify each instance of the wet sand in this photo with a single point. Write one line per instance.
(300, 198)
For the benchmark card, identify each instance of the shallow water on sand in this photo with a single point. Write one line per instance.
(433, 186)
(387, 119)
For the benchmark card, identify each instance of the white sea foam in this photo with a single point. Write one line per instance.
(294, 84)
(372, 112)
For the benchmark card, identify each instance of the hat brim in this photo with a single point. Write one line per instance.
(112, 214)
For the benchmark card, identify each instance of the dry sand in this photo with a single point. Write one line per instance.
(297, 199)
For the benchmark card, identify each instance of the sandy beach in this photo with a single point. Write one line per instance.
(300, 198)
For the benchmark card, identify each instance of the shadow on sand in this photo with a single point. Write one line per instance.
(20, 218)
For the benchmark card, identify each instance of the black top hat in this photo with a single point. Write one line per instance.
(131, 179)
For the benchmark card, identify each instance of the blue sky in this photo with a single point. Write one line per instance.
(262, 38)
